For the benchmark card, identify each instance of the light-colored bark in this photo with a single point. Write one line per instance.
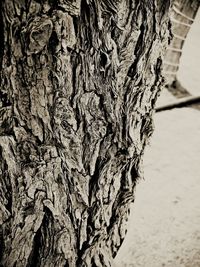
(79, 81)
(182, 17)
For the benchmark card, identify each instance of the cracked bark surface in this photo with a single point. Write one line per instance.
(79, 82)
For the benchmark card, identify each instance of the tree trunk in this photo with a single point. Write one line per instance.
(182, 17)
(79, 81)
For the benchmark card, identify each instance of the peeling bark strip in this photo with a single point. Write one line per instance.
(79, 80)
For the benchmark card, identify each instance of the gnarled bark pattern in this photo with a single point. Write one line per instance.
(79, 81)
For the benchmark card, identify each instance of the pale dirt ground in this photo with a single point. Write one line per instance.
(164, 228)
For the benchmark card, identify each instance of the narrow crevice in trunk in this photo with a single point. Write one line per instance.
(35, 258)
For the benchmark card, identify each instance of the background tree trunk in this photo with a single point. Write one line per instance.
(182, 17)
(79, 81)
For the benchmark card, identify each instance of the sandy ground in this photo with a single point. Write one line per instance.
(164, 227)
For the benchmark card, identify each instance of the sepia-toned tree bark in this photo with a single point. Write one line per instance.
(183, 13)
(79, 81)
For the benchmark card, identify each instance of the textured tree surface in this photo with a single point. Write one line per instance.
(182, 17)
(79, 81)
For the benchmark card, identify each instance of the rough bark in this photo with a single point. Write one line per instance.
(182, 17)
(79, 81)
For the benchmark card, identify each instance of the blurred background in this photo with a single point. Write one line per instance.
(164, 228)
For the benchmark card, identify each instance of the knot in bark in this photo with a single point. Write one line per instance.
(40, 33)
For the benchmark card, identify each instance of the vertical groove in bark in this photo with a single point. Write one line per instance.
(79, 82)
(183, 14)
